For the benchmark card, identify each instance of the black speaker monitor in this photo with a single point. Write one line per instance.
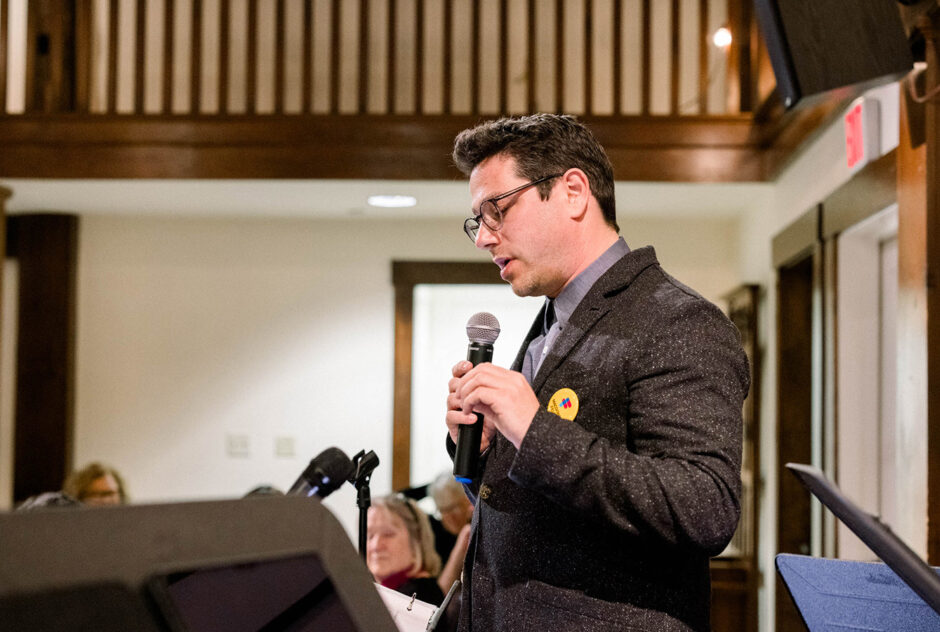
(250, 565)
(817, 46)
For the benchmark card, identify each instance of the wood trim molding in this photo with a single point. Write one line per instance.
(405, 276)
(869, 191)
(798, 239)
(46, 246)
(654, 149)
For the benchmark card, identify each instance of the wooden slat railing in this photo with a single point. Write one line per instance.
(599, 59)
(269, 88)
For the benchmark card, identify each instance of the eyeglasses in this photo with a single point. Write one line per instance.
(491, 215)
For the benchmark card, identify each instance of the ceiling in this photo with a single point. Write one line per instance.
(342, 199)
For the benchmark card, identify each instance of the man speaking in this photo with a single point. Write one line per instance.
(610, 457)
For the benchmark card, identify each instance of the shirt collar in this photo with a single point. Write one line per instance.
(572, 294)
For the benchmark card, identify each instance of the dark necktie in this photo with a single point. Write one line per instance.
(533, 356)
(549, 317)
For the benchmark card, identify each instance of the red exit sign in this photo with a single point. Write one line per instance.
(862, 133)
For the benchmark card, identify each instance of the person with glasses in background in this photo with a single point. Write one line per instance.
(400, 548)
(611, 451)
(97, 485)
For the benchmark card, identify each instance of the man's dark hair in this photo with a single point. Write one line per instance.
(542, 144)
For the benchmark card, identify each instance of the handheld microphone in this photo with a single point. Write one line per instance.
(482, 330)
(326, 472)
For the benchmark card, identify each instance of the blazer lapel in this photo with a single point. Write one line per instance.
(594, 306)
(579, 324)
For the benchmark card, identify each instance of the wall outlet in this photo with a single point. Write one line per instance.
(238, 445)
(284, 447)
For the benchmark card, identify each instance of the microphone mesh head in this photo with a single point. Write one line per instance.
(329, 469)
(483, 327)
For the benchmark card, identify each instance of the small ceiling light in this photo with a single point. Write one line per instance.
(722, 37)
(392, 201)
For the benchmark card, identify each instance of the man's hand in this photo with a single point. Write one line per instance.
(504, 397)
(456, 416)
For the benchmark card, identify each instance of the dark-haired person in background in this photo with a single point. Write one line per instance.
(611, 451)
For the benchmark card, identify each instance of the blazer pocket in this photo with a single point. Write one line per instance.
(553, 608)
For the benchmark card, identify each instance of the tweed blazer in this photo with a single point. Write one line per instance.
(607, 521)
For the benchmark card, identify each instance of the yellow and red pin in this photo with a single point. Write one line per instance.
(564, 403)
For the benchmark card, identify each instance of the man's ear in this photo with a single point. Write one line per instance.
(577, 191)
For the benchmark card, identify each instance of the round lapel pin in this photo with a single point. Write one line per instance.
(564, 403)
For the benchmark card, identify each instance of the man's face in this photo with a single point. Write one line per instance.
(527, 247)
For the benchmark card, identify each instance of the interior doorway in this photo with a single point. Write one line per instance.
(439, 340)
(866, 378)
(794, 419)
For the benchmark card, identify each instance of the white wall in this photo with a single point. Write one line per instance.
(191, 330)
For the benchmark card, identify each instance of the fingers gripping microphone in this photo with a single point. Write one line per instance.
(326, 472)
(482, 330)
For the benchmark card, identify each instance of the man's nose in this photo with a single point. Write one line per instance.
(485, 237)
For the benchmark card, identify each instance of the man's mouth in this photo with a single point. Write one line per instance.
(503, 264)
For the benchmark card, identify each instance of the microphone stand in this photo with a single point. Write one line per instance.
(364, 464)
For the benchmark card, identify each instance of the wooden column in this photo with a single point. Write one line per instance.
(918, 268)
(930, 27)
(4, 195)
(46, 247)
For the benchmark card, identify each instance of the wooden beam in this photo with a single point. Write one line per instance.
(654, 149)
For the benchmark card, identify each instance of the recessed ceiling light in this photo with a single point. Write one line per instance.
(392, 201)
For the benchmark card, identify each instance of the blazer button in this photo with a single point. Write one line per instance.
(485, 491)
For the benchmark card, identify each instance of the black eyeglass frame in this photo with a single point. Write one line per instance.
(471, 225)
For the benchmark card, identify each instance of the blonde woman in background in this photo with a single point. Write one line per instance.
(97, 485)
(400, 549)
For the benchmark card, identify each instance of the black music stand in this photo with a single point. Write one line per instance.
(902, 594)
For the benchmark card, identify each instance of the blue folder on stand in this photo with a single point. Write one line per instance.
(902, 594)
